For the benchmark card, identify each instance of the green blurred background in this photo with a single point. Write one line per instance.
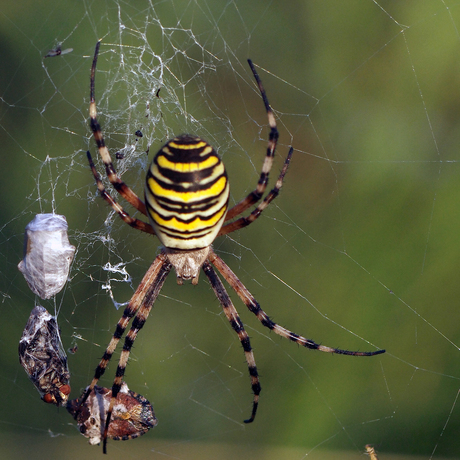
(360, 251)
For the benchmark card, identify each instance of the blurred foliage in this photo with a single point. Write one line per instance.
(360, 251)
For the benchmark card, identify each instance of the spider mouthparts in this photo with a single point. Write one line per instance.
(187, 264)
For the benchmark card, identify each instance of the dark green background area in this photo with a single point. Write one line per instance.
(360, 251)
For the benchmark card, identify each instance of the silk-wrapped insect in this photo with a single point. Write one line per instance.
(47, 255)
(132, 414)
(43, 358)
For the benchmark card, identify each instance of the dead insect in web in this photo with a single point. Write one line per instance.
(138, 133)
(58, 51)
(43, 358)
(47, 255)
(132, 414)
(119, 155)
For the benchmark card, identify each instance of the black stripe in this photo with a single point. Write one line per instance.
(246, 346)
(138, 323)
(179, 188)
(128, 343)
(183, 235)
(195, 178)
(188, 221)
(118, 331)
(100, 371)
(253, 371)
(186, 155)
(196, 207)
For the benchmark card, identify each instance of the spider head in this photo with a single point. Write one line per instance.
(187, 263)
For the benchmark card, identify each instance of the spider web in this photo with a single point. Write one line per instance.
(360, 250)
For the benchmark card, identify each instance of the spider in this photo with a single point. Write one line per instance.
(186, 201)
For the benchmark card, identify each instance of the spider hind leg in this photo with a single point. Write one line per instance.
(253, 306)
(237, 325)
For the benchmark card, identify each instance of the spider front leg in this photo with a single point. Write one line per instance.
(255, 308)
(237, 325)
(115, 180)
(258, 192)
(245, 221)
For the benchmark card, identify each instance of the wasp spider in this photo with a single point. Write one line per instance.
(186, 201)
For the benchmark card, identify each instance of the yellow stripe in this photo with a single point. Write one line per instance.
(186, 167)
(185, 197)
(198, 145)
(182, 227)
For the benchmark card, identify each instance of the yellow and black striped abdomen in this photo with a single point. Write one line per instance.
(186, 193)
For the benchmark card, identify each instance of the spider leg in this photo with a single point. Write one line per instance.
(258, 192)
(133, 222)
(245, 221)
(237, 325)
(252, 304)
(117, 183)
(164, 267)
(144, 293)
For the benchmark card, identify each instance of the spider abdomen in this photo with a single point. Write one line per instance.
(186, 193)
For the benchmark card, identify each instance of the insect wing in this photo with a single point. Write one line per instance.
(58, 51)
